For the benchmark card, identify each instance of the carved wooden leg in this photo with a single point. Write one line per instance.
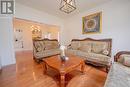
(62, 80)
(44, 67)
(82, 67)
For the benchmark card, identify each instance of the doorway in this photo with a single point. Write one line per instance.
(26, 30)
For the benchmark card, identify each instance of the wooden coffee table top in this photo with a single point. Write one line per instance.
(56, 63)
(63, 68)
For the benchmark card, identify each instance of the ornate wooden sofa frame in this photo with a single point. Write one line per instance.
(43, 53)
(117, 56)
(99, 40)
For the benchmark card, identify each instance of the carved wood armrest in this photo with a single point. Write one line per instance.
(117, 56)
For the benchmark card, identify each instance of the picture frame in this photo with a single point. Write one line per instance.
(92, 23)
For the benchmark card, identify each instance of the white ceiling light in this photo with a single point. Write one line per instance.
(67, 6)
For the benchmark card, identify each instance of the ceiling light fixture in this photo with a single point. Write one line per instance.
(67, 6)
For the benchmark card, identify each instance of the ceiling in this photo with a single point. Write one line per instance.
(52, 6)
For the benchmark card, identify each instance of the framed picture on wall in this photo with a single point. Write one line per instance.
(92, 23)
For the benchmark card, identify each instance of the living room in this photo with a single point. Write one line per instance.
(18, 68)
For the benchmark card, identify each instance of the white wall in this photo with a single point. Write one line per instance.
(25, 12)
(6, 41)
(115, 24)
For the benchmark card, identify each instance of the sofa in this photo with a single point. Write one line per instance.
(119, 74)
(44, 48)
(96, 52)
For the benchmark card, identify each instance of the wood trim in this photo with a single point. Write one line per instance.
(92, 39)
(95, 63)
(102, 40)
(117, 56)
(46, 39)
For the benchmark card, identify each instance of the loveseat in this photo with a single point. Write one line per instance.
(119, 74)
(44, 48)
(96, 52)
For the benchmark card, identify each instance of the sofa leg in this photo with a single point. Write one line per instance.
(37, 60)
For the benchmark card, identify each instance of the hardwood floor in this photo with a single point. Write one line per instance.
(27, 73)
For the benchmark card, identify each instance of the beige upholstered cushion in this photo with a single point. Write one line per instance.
(98, 58)
(121, 58)
(71, 51)
(39, 46)
(85, 46)
(126, 61)
(77, 53)
(51, 45)
(99, 47)
(75, 45)
(47, 53)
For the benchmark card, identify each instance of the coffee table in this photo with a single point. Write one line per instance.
(63, 68)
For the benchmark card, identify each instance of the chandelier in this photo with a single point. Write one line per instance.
(67, 6)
